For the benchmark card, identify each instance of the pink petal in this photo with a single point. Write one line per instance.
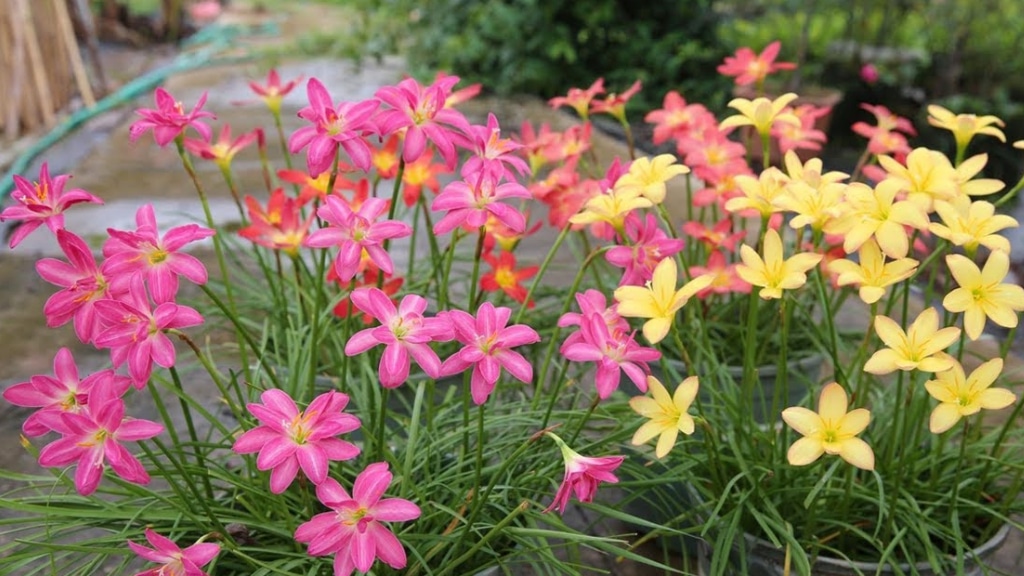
(387, 547)
(331, 493)
(364, 551)
(516, 365)
(395, 510)
(361, 342)
(254, 440)
(132, 430)
(281, 477)
(371, 484)
(280, 402)
(275, 453)
(202, 553)
(313, 461)
(336, 449)
(89, 472)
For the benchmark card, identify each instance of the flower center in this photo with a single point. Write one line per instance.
(156, 256)
(300, 427)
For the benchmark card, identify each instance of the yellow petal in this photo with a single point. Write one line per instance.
(871, 294)
(996, 398)
(974, 322)
(645, 433)
(658, 391)
(890, 332)
(833, 402)
(855, 421)
(943, 417)
(885, 361)
(941, 391)
(804, 451)
(965, 272)
(686, 424)
(857, 452)
(984, 375)
(656, 329)
(958, 300)
(772, 248)
(803, 261)
(804, 421)
(685, 393)
(646, 407)
(666, 442)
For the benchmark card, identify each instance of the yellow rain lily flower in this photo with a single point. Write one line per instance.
(872, 273)
(813, 207)
(982, 293)
(758, 193)
(650, 175)
(611, 207)
(667, 414)
(961, 395)
(830, 430)
(774, 273)
(972, 224)
(927, 177)
(659, 300)
(970, 168)
(920, 347)
(874, 212)
(811, 172)
(965, 126)
(761, 113)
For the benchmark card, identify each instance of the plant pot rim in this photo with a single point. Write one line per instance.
(983, 550)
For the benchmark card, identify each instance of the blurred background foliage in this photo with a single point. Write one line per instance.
(967, 55)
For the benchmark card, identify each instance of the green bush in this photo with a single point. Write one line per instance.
(545, 47)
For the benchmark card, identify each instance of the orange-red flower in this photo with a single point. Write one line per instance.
(314, 187)
(385, 158)
(280, 226)
(615, 104)
(506, 277)
(422, 172)
(676, 118)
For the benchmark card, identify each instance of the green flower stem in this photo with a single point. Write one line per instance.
(840, 374)
(392, 207)
(766, 160)
(564, 367)
(585, 419)
(749, 355)
(598, 280)
(782, 378)
(265, 167)
(479, 465)
(449, 259)
(225, 171)
(218, 248)
(282, 141)
(491, 534)
(862, 351)
(414, 434)
(318, 285)
(435, 251)
(412, 244)
(554, 336)
(186, 476)
(474, 288)
(218, 380)
(691, 369)
(186, 410)
(684, 268)
(630, 142)
(540, 273)
(239, 329)
(1011, 194)
(382, 424)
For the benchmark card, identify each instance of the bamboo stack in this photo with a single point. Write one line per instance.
(41, 67)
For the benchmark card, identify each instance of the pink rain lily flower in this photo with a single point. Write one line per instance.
(288, 439)
(157, 260)
(93, 437)
(592, 302)
(488, 344)
(168, 120)
(647, 244)
(492, 153)
(582, 475)
(353, 232)
(172, 559)
(222, 151)
(135, 331)
(403, 331)
(273, 92)
(352, 530)
(342, 125)
(84, 285)
(422, 113)
(62, 392)
(42, 202)
(469, 204)
(614, 352)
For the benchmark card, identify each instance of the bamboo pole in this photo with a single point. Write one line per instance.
(77, 66)
(16, 73)
(35, 62)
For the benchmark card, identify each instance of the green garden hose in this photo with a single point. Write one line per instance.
(210, 40)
